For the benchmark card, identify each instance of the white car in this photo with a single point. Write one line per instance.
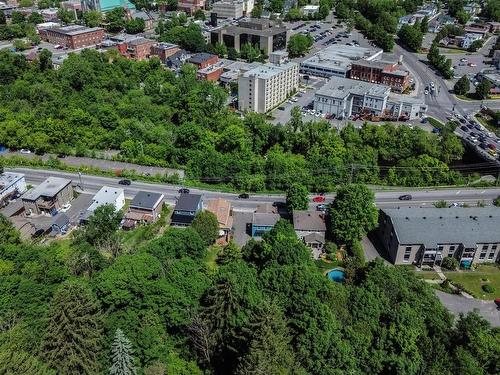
(25, 151)
(473, 65)
(317, 114)
(426, 92)
(432, 84)
(65, 208)
(463, 60)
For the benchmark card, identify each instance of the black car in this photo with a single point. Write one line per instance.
(462, 121)
(470, 126)
(464, 128)
(184, 191)
(244, 196)
(405, 197)
(61, 156)
(321, 207)
(124, 182)
(478, 127)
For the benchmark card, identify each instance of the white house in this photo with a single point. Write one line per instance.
(11, 184)
(108, 195)
(470, 38)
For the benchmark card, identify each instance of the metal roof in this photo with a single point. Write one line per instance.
(48, 188)
(146, 199)
(107, 195)
(339, 87)
(433, 226)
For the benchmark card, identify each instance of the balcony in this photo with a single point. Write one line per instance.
(46, 204)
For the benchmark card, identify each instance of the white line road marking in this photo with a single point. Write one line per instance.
(458, 192)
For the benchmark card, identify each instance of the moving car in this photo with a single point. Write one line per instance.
(319, 199)
(243, 196)
(125, 182)
(184, 191)
(25, 151)
(405, 197)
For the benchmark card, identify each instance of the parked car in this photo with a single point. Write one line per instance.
(25, 151)
(65, 208)
(321, 207)
(464, 128)
(319, 199)
(184, 191)
(405, 197)
(243, 196)
(125, 182)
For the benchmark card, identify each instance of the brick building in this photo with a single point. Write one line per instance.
(386, 73)
(164, 50)
(140, 48)
(190, 6)
(202, 60)
(74, 36)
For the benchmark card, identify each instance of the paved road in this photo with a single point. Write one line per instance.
(457, 304)
(421, 198)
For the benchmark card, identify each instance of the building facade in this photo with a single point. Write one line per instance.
(386, 73)
(105, 5)
(11, 185)
(221, 208)
(145, 208)
(229, 8)
(139, 49)
(74, 36)
(268, 35)
(48, 197)
(425, 236)
(186, 208)
(190, 6)
(164, 50)
(265, 87)
(310, 227)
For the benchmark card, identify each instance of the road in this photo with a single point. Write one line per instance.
(384, 199)
(457, 304)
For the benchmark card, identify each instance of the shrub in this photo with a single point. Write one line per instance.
(488, 288)
(449, 263)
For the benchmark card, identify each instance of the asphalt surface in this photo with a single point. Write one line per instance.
(457, 304)
(384, 199)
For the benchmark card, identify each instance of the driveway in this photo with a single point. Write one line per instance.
(241, 221)
(457, 304)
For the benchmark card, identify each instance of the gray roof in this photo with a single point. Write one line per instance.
(7, 179)
(73, 30)
(341, 56)
(456, 225)
(48, 188)
(61, 220)
(188, 202)
(265, 219)
(200, 58)
(146, 199)
(313, 221)
(269, 70)
(338, 87)
(315, 237)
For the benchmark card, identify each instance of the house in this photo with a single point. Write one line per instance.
(60, 225)
(11, 185)
(310, 227)
(407, 20)
(145, 208)
(108, 195)
(428, 235)
(186, 208)
(148, 20)
(48, 197)
(468, 39)
(494, 27)
(444, 19)
(176, 60)
(478, 29)
(263, 223)
(221, 208)
(434, 27)
(202, 60)
(139, 48)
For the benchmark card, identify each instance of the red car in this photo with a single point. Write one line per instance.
(319, 199)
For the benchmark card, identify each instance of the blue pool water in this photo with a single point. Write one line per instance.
(336, 275)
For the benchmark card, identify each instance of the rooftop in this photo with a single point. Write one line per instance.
(341, 56)
(48, 188)
(338, 87)
(200, 58)
(263, 219)
(313, 221)
(146, 199)
(107, 195)
(139, 41)
(73, 30)
(222, 209)
(456, 225)
(188, 202)
(7, 179)
(268, 70)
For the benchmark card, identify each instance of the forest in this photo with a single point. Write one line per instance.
(103, 101)
(87, 305)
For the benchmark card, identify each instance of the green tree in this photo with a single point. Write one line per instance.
(249, 52)
(92, 18)
(199, 15)
(207, 226)
(462, 17)
(35, 18)
(229, 253)
(122, 360)
(115, 20)
(220, 49)
(483, 89)
(232, 54)
(21, 362)
(276, 6)
(352, 213)
(299, 45)
(441, 204)
(476, 45)
(17, 17)
(462, 86)
(297, 197)
(411, 36)
(3, 20)
(135, 26)
(73, 337)
(257, 11)
(450, 263)
(177, 243)
(496, 201)
(424, 25)
(66, 16)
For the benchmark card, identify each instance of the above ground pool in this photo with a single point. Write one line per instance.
(336, 275)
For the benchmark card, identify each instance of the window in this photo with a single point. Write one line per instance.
(440, 248)
(494, 247)
(452, 248)
(491, 255)
(485, 247)
(407, 254)
(482, 255)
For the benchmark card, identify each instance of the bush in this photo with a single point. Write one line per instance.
(449, 263)
(488, 288)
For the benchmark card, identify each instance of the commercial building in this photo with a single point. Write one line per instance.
(190, 6)
(145, 208)
(428, 235)
(74, 36)
(336, 60)
(11, 185)
(186, 208)
(139, 48)
(228, 8)
(310, 227)
(211, 72)
(268, 35)
(48, 197)
(342, 98)
(221, 208)
(164, 50)
(384, 72)
(106, 5)
(233, 71)
(265, 87)
(310, 10)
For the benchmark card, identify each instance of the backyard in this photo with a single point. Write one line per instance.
(472, 281)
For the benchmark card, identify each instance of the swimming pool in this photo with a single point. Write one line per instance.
(336, 275)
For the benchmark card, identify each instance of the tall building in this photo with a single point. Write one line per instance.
(269, 36)
(228, 8)
(265, 87)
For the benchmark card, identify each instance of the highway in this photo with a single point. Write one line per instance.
(384, 199)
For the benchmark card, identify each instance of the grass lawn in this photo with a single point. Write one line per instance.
(427, 275)
(453, 51)
(472, 281)
(211, 257)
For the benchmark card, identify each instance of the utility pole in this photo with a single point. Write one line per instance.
(81, 181)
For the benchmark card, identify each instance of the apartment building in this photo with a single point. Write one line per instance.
(343, 97)
(74, 36)
(265, 87)
(190, 6)
(48, 197)
(164, 50)
(268, 35)
(229, 8)
(384, 72)
(139, 48)
(425, 236)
